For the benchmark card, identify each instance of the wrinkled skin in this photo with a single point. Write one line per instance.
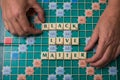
(15, 18)
(107, 33)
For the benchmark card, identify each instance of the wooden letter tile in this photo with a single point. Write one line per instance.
(52, 55)
(45, 26)
(44, 55)
(67, 26)
(59, 41)
(67, 41)
(52, 41)
(67, 55)
(60, 55)
(75, 55)
(75, 41)
(60, 26)
(82, 55)
(52, 26)
(74, 26)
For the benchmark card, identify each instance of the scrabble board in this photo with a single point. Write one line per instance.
(57, 54)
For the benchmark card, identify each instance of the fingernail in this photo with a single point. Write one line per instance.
(85, 48)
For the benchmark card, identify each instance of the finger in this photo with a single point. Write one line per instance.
(6, 25)
(11, 27)
(107, 57)
(5, 22)
(93, 40)
(116, 56)
(117, 53)
(99, 53)
(40, 12)
(23, 21)
(17, 27)
(35, 31)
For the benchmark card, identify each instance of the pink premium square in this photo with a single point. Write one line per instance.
(95, 6)
(82, 19)
(88, 13)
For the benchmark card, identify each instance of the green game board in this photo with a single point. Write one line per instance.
(24, 59)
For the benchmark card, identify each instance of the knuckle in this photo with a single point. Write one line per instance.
(16, 14)
(92, 59)
(98, 64)
(26, 30)
(13, 32)
(21, 34)
(10, 17)
(105, 59)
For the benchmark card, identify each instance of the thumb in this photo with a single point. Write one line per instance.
(39, 11)
(93, 40)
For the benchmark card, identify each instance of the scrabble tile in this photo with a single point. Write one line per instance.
(52, 55)
(60, 70)
(52, 5)
(60, 55)
(21, 77)
(22, 48)
(82, 63)
(6, 70)
(67, 41)
(112, 70)
(82, 55)
(67, 77)
(95, 6)
(37, 63)
(59, 12)
(81, 19)
(8, 40)
(52, 77)
(60, 26)
(67, 34)
(88, 13)
(30, 40)
(52, 26)
(52, 48)
(67, 26)
(59, 41)
(75, 55)
(45, 26)
(98, 77)
(67, 55)
(75, 41)
(44, 55)
(29, 71)
(90, 71)
(37, 20)
(52, 34)
(74, 26)
(52, 41)
(67, 48)
(102, 1)
(67, 6)
(14, 55)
